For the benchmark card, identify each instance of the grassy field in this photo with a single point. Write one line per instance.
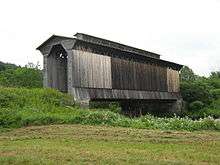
(20, 107)
(83, 144)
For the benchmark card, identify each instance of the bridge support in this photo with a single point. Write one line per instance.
(134, 108)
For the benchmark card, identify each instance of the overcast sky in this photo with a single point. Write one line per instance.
(182, 31)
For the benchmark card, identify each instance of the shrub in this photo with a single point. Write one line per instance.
(215, 93)
(110, 105)
(196, 106)
(193, 91)
(44, 98)
(21, 77)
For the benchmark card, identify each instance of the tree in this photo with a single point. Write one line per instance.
(215, 74)
(196, 90)
(4, 66)
(21, 77)
(187, 74)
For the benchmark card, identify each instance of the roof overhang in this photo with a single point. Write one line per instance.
(46, 46)
(68, 43)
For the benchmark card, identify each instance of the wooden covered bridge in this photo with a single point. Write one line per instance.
(90, 68)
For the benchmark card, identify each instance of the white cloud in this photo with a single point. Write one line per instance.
(187, 32)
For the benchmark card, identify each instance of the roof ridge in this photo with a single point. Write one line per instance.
(114, 44)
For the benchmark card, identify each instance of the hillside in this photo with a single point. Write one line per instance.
(21, 107)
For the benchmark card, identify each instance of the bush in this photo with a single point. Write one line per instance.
(110, 105)
(193, 91)
(215, 93)
(196, 106)
(21, 77)
(212, 110)
(21, 97)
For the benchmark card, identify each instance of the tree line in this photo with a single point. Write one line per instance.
(200, 94)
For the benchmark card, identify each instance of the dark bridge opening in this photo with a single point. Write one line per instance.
(57, 74)
(137, 108)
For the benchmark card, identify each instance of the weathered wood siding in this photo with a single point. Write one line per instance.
(138, 76)
(91, 70)
(57, 73)
(102, 69)
(91, 93)
(173, 80)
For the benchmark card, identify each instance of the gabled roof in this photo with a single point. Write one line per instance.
(53, 38)
(104, 42)
(69, 42)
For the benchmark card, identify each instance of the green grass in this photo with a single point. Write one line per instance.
(96, 136)
(26, 107)
(79, 144)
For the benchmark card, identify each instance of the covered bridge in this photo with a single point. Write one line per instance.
(91, 68)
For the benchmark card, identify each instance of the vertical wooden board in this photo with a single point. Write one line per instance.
(113, 74)
(159, 77)
(123, 75)
(45, 72)
(90, 81)
(93, 70)
(178, 82)
(108, 72)
(54, 72)
(131, 66)
(49, 71)
(155, 78)
(120, 71)
(135, 75)
(128, 73)
(101, 74)
(142, 78)
(86, 79)
(76, 68)
(147, 77)
(94, 67)
(116, 76)
(168, 80)
(141, 67)
(164, 79)
(152, 78)
(171, 79)
(147, 86)
(81, 70)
